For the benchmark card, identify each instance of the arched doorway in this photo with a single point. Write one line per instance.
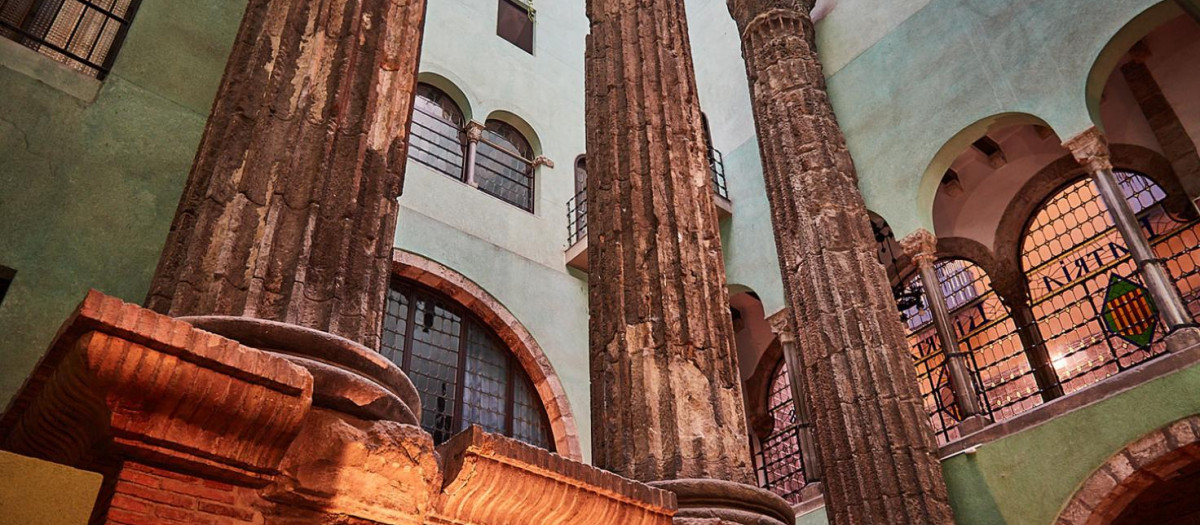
(1153, 481)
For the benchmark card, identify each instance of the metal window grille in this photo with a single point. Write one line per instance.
(1071, 252)
(716, 165)
(504, 165)
(778, 459)
(437, 139)
(83, 34)
(986, 334)
(463, 372)
(577, 206)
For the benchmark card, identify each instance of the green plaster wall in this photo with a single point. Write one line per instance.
(1028, 477)
(90, 187)
(955, 63)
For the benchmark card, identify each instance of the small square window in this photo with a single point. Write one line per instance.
(514, 22)
(6, 277)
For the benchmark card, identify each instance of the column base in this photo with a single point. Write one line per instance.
(973, 424)
(1182, 339)
(717, 502)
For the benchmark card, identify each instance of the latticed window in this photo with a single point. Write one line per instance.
(1072, 254)
(437, 139)
(777, 458)
(464, 373)
(504, 165)
(85, 35)
(988, 337)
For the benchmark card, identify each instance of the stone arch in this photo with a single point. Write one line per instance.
(1058, 174)
(1118, 45)
(518, 339)
(1104, 495)
(451, 89)
(522, 125)
(757, 389)
(955, 146)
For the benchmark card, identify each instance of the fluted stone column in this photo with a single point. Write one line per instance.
(290, 209)
(666, 395)
(874, 437)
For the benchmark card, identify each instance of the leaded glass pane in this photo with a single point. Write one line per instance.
(504, 165)
(485, 387)
(529, 424)
(434, 365)
(436, 139)
(778, 459)
(395, 327)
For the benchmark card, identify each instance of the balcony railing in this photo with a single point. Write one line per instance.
(577, 206)
(716, 165)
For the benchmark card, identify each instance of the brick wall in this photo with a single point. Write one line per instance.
(144, 495)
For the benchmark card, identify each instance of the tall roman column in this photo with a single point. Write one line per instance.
(874, 437)
(666, 394)
(290, 209)
(1172, 136)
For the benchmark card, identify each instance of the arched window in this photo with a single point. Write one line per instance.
(777, 457)
(985, 333)
(504, 165)
(1072, 252)
(463, 371)
(437, 139)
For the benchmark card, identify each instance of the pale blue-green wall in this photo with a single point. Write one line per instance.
(515, 255)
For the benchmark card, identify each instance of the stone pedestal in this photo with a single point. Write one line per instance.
(715, 502)
(188, 426)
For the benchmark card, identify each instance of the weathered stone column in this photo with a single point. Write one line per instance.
(921, 248)
(1090, 148)
(1177, 145)
(666, 394)
(289, 211)
(474, 135)
(875, 439)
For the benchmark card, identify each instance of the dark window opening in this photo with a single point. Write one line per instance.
(6, 278)
(514, 22)
(84, 35)
(437, 139)
(504, 165)
(463, 371)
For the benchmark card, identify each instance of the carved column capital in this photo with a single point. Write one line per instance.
(1090, 149)
(920, 246)
(543, 160)
(750, 13)
(474, 131)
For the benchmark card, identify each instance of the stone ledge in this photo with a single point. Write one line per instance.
(1125, 381)
(160, 390)
(476, 463)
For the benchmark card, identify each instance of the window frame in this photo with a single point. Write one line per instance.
(531, 163)
(530, 13)
(460, 129)
(516, 372)
(37, 38)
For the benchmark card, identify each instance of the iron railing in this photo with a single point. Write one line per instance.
(577, 205)
(716, 165)
(577, 218)
(1070, 256)
(84, 34)
(437, 143)
(504, 175)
